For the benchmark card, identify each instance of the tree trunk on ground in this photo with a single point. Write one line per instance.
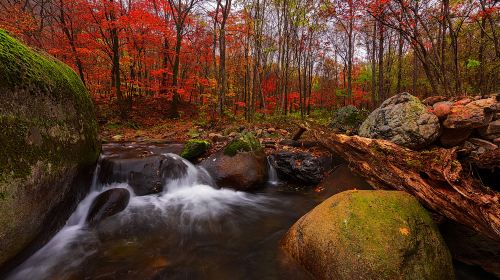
(435, 177)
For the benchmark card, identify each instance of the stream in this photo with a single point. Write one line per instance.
(191, 230)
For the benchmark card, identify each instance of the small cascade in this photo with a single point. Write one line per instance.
(272, 174)
(189, 203)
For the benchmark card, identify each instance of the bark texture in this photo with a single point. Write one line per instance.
(435, 177)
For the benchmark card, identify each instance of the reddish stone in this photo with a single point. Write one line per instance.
(442, 109)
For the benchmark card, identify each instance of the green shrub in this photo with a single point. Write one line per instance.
(194, 148)
(246, 142)
(348, 118)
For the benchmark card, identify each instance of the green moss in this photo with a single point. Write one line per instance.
(414, 163)
(41, 81)
(371, 235)
(194, 148)
(246, 142)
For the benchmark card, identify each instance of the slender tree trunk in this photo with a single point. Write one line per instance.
(381, 92)
(400, 63)
(174, 110)
(374, 67)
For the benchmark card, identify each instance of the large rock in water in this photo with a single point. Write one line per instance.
(107, 204)
(404, 120)
(48, 138)
(243, 171)
(369, 235)
(301, 168)
(145, 175)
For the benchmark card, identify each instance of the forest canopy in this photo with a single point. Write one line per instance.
(265, 56)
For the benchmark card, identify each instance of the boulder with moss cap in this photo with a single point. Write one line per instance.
(48, 140)
(369, 235)
(194, 148)
(241, 165)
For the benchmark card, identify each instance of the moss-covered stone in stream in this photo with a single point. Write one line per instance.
(194, 148)
(246, 142)
(369, 235)
(48, 133)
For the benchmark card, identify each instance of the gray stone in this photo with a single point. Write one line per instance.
(404, 120)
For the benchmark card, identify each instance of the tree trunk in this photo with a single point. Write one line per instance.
(381, 93)
(174, 110)
(434, 177)
(400, 63)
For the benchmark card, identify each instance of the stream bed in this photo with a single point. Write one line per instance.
(191, 230)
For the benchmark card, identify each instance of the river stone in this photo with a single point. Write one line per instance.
(300, 168)
(243, 171)
(48, 145)
(107, 204)
(369, 235)
(404, 120)
(145, 174)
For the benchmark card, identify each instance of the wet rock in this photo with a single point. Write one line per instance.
(369, 235)
(491, 131)
(107, 204)
(194, 148)
(300, 168)
(451, 137)
(243, 171)
(470, 247)
(472, 115)
(404, 120)
(48, 144)
(145, 175)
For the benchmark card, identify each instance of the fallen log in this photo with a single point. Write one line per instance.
(435, 177)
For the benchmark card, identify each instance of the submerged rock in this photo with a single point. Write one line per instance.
(243, 171)
(404, 120)
(107, 204)
(300, 168)
(48, 144)
(369, 235)
(145, 175)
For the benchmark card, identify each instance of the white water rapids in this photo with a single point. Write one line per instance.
(186, 204)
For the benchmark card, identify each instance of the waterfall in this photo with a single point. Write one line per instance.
(271, 173)
(188, 203)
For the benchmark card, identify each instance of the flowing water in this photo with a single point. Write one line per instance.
(189, 231)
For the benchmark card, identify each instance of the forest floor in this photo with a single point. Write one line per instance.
(147, 123)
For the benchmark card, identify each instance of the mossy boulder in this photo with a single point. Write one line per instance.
(246, 142)
(48, 139)
(404, 120)
(194, 148)
(369, 235)
(348, 118)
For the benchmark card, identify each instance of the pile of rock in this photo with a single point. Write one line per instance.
(468, 122)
